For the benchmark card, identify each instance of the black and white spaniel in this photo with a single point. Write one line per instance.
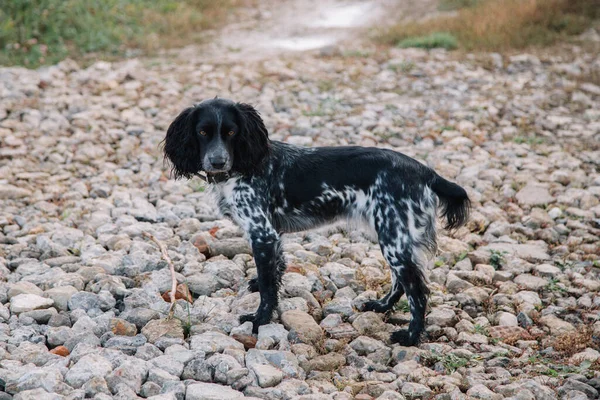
(269, 188)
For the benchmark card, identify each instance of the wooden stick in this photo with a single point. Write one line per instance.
(165, 256)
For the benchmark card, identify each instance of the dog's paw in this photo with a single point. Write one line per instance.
(257, 320)
(404, 338)
(253, 285)
(247, 317)
(375, 306)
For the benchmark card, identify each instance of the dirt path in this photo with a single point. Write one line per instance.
(290, 26)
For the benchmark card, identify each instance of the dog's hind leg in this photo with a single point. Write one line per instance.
(406, 230)
(387, 302)
(416, 289)
(419, 240)
(407, 278)
(389, 221)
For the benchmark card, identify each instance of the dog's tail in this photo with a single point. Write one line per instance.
(454, 202)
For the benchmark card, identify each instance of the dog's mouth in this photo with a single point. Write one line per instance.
(223, 166)
(210, 171)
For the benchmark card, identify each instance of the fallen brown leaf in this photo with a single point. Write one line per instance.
(60, 351)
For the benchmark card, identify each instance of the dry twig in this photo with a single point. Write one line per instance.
(165, 256)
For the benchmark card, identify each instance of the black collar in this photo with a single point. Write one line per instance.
(214, 178)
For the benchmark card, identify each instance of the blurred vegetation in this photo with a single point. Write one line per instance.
(433, 40)
(35, 32)
(451, 5)
(497, 25)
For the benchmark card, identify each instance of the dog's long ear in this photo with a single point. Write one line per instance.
(251, 147)
(180, 148)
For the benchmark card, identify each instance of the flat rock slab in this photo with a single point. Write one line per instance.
(214, 342)
(533, 195)
(303, 324)
(211, 391)
(267, 375)
(162, 328)
(557, 326)
(531, 282)
(13, 192)
(532, 252)
(29, 302)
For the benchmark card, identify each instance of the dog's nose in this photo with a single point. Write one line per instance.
(218, 162)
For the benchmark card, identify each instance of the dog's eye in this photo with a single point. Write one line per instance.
(231, 133)
(203, 133)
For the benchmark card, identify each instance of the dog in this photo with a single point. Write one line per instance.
(269, 188)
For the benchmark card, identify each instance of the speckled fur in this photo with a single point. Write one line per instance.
(293, 189)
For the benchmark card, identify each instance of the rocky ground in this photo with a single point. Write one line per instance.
(515, 293)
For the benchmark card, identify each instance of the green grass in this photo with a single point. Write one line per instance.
(496, 258)
(404, 67)
(451, 362)
(482, 330)
(36, 32)
(553, 286)
(402, 306)
(434, 40)
(462, 256)
(530, 140)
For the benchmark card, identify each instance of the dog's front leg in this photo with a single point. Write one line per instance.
(270, 264)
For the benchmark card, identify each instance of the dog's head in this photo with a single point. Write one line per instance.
(216, 136)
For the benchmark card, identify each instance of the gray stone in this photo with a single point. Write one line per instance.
(506, 319)
(412, 390)
(441, 316)
(214, 342)
(533, 195)
(37, 394)
(40, 316)
(267, 375)
(89, 301)
(327, 362)
(574, 395)
(23, 287)
(342, 306)
(131, 373)
(211, 391)
(140, 317)
(365, 345)
(61, 296)
(150, 389)
(530, 282)
(13, 192)
(305, 327)
(572, 384)
(86, 368)
(28, 302)
(163, 328)
(175, 389)
(531, 251)
(547, 270)
(168, 364)
(339, 274)
(49, 379)
(481, 392)
(556, 325)
(95, 385)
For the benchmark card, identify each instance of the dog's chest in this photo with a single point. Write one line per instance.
(222, 195)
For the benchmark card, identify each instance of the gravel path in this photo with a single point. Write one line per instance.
(515, 294)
